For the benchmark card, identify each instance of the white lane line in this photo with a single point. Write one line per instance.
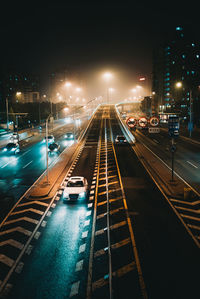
(79, 266)
(88, 213)
(27, 164)
(87, 222)
(84, 234)
(74, 289)
(7, 163)
(82, 248)
(191, 164)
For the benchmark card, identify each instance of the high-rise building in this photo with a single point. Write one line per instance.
(178, 60)
(19, 88)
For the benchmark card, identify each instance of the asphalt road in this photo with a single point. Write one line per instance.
(186, 157)
(18, 172)
(58, 264)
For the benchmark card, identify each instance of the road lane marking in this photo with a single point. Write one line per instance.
(74, 289)
(13, 243)
(84, 234)
(191, 164)
(6, 260)
(19, 267)
(82, 248)
(18, 229)
(27, 164)
(87, 222)
(79, 266)
(88, 213)
(37, 235)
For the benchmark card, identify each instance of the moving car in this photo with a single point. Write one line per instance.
(11, 148)
(76, 189)
(50, 139)
(69, 136)
(53, 147)
(120, 139)
(14, 138)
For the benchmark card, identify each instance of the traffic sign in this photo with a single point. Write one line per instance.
(143, 122)
(154, 130)
(173, 148)
(173, 126)
(154, 121)
(131, 122)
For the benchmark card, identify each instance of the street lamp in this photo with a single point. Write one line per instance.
(68, 85)
(107, 77)
(190, 125)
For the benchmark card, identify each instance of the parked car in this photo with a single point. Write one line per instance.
(11, 148)
(76, 189)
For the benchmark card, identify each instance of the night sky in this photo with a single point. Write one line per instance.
(80, 36)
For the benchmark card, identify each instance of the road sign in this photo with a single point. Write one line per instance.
(173, 126)
(131, 122)
(173, 148)
(154, 121)
(143, 122)
(154, 130)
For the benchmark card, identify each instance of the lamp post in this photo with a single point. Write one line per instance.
(7, 117)
(47, 157)
(107, 77)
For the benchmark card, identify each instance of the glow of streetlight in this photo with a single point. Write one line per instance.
(179, 84)
(107, 75)
(68, 84)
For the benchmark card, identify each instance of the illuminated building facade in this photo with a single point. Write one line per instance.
(177, 61)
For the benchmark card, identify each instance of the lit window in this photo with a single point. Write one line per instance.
(192, 72)
(173, 62)
(167, 74)
(197, 56)
(193, 45)
(183, 56)
(179, 28)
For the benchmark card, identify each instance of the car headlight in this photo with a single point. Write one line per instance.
(66, 194)
(5, 149)
(55, 149)
(13, 149)
(71, 136)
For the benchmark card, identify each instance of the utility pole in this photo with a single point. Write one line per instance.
(7, 117)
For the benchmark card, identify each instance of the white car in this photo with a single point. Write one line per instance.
(76, 189)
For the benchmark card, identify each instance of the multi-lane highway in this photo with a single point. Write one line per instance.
(125, 241)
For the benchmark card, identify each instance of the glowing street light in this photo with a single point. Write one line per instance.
(107, 76)
(179, 84)
(68, 84)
